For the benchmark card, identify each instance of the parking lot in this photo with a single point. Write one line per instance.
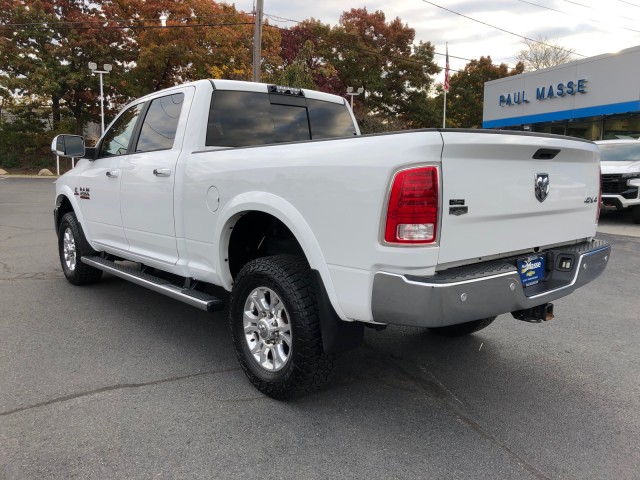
(113, 381)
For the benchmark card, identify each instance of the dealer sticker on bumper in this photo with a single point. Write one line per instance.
(531, 270)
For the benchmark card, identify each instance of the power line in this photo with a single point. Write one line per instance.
(501, 29)
(274, 17)
(571, 15)
(100, 24)
(68, 25)
(389, 57)
(116, 20)
(141, 27)
(576, 3)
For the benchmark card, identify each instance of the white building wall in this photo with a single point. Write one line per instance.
(602, 85)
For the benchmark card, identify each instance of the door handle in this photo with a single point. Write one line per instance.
(162, 172)
(113, 173)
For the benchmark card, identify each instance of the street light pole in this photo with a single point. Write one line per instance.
(94, 69)
(351, 93)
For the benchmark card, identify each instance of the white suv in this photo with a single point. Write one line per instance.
(620, 162)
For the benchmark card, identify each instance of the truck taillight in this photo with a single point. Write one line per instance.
(412, 213)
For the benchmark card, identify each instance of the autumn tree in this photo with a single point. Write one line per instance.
(317, 57)
(379, 56)
(201, 39)
(46, 46)
(543, 53)
(297, 73)
(466, 91)
(365, 50)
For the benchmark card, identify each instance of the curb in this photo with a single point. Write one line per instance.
(54, 177)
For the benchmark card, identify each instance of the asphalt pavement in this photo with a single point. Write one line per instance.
(113, 381)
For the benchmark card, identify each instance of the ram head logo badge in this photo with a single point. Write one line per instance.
(542, 186)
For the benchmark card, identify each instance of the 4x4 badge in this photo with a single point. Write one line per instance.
(542, 186)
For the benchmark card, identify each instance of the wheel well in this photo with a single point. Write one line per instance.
(258, 234)
(64, 207)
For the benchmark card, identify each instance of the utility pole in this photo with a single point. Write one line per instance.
(446, 89)
(257, 40)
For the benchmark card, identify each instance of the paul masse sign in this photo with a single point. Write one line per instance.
(542, 93)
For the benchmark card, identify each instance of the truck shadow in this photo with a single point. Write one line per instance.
(405, 388)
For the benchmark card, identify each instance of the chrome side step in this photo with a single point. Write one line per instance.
(200, 300)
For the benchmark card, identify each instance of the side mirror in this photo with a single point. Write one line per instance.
(68, 146)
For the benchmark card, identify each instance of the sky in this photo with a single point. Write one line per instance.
(590, 27)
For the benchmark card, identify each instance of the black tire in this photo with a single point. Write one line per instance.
(293, 332)
(72, 245)
(462, 329)
(635, 214)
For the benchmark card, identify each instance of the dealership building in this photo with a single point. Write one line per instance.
(594, 98)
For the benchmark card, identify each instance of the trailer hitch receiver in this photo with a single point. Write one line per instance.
(535, 314)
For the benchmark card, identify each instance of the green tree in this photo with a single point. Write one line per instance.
(379, 56)
(46, 46)
(366, 51)
(201, 39)
(297, 73)
(466, 91)
(294, 48)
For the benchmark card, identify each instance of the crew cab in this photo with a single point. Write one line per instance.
(317, 231)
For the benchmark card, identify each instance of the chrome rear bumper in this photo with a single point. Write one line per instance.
(483, 290)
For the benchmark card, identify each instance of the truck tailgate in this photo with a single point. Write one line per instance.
(489, 202)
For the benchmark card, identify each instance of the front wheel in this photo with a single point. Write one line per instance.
(275, 327)
(72, 245)
(462, 329)
(635, 214)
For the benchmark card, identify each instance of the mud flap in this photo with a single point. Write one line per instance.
(337, 335)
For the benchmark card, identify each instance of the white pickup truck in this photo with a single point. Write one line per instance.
(317, 231)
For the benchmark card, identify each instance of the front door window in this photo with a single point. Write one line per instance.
(116, 140)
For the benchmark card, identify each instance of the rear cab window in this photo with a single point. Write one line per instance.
(242, 119)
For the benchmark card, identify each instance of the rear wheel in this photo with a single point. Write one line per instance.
(275, 327)
(635, 214)
(462, 329)
(72, 245)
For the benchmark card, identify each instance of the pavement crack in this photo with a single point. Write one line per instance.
(120, 386)
(28, 276)
(27, 229)
(4, 268)
(437, 390)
